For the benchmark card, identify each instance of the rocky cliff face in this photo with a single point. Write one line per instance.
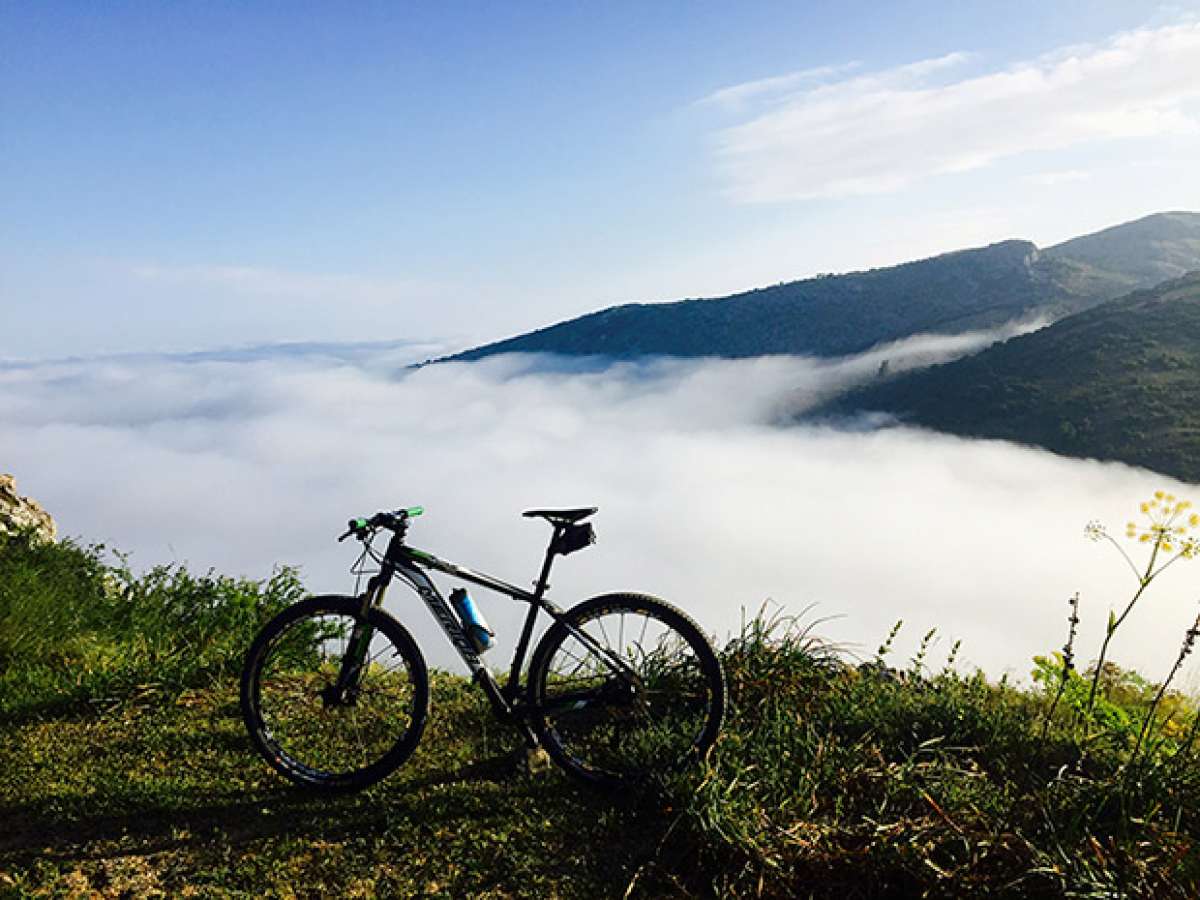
(19, 513)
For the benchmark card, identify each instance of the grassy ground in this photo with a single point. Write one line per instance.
(167, 799)
(125, 771)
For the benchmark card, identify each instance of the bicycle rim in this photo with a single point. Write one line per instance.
(319, 736)
(642, 698)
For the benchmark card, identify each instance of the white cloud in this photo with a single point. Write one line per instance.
(879, 132)
(704, 500)
(738, 95)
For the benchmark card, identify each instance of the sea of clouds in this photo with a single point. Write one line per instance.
(709, 493)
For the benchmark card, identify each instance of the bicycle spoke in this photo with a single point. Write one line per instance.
(607, 642)
(376, 656)
(357, 731)
(581, 662)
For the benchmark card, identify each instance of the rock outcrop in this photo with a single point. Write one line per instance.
(19, 513)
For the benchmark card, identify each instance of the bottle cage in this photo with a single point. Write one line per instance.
(574, 537)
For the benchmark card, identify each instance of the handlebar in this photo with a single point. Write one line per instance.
(396, 520)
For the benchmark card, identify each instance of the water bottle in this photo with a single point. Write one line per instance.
(482, 637)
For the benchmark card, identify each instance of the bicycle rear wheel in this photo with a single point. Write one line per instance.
(324, 716)
(639, 695)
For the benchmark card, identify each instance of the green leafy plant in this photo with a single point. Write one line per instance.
(76, 628)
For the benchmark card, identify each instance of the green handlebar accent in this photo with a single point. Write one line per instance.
(414, 511)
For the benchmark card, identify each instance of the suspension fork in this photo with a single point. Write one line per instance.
(354, 661)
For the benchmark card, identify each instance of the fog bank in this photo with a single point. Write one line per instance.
(240, 463)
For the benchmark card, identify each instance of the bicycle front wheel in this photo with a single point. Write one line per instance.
(333, 700)
(625, 688)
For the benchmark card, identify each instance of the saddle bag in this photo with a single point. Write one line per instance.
(575, 537)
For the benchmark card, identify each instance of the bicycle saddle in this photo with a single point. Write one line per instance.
(561, 516)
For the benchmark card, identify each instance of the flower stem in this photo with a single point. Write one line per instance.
(1145, 583)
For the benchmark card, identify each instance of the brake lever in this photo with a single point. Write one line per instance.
(355, 527)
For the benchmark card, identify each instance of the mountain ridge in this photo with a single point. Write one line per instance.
(836, 315)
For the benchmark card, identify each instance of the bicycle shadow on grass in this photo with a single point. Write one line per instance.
(432, 799)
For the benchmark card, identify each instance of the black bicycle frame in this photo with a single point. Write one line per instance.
(409, 563)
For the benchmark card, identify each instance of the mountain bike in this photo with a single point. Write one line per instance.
(621, 689)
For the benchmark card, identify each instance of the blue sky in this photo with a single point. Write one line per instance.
(179, 176)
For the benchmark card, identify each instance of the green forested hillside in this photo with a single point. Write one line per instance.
(1121, 381)
(840, 314)
(1148, 251)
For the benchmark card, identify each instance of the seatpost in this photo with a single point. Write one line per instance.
(543, 579)
(513, 686)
